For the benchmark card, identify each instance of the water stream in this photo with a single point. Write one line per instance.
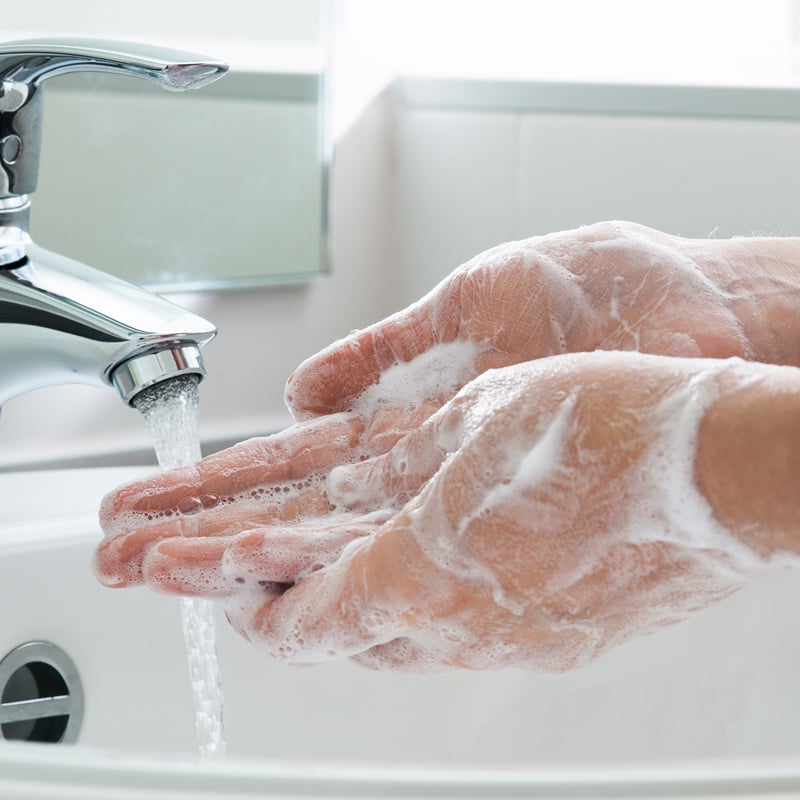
(171, 410)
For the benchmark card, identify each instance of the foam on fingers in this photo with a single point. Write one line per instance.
(391, 479)
(188, 567)
(331, 380)
(288, 555)
(318, 619)
(118, 559)
(274, 470)
(147, 497)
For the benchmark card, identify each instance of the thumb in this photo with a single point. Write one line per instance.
(390, 479)
(331, 380)
(366, 598)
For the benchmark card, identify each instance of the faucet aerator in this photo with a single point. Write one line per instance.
(147, 369)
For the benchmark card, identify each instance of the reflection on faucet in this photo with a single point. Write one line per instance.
(61, 321)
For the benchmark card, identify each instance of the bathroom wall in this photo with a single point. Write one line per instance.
(474, 171)
(175, 24)
(425, 175)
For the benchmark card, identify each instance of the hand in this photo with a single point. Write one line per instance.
(612, 286)
(510, 304)
(262, 511)
(608, 286)
(261, 482)
(545, 514)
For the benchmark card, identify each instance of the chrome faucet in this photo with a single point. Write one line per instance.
(62, 321)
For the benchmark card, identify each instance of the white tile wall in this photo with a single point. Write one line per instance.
(689, 176)
(469, 179)
(455, 191)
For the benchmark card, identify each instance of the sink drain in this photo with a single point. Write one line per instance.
(41, 696)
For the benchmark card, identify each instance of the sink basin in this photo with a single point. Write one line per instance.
(714, 699)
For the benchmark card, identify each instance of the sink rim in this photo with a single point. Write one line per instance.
(73, 768)
(74, 492)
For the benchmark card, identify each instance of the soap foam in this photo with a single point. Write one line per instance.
(434, 375)
(670, 492)
(681, 310)
(437, 374)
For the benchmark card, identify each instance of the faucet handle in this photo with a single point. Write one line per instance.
(26, 64)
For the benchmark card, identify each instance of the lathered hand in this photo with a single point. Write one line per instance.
(193, 512)
(548, 512)
(610, 286)
(381, 499)
(607, 286)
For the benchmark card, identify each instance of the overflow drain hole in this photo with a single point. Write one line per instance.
(41, 696)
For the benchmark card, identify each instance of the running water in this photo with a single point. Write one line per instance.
(170, 410)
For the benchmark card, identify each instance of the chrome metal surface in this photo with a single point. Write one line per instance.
(64, 322)
(41, 695)
(143, 371)
(61, 321)
(14, 236)
(26, 64)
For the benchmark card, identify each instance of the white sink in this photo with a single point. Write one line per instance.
(722, 689)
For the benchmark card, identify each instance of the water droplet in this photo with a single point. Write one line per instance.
(190, 505)
(209, 501)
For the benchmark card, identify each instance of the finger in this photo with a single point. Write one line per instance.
(247, 469)
(194, 568)
(288, 555)
(188, 567)
(329, 381)
(118, 559)
(394, 477)
(367, 598)
(387, 426)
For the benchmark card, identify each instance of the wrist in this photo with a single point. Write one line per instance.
(748, 461)
(761, 278)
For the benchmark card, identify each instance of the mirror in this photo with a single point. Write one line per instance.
(221, 187)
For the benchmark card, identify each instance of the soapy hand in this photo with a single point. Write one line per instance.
(381, 499)
(272, 481)
(545, 514)
(611, 286)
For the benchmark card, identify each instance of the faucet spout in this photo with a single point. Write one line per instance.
(31, 61)
(64, 322)
(61, 321)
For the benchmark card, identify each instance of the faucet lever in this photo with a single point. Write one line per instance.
(26, 64)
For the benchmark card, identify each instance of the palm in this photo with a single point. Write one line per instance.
(565, 539)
